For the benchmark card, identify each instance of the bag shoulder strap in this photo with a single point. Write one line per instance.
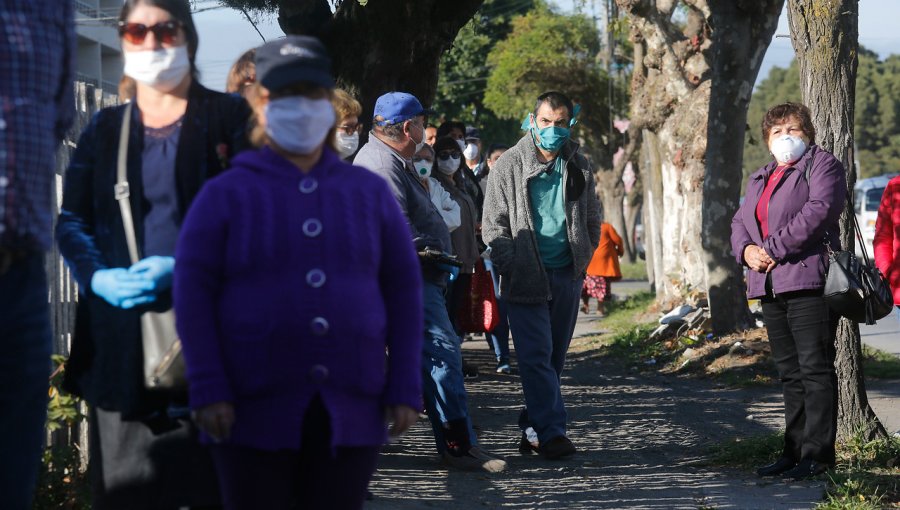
(121, 189)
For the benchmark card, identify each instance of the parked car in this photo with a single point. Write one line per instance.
(866, 199)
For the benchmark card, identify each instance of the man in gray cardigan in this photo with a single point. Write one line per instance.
(542, 222)
(399, 133)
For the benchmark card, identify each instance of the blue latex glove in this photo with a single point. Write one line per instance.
(452, 271)
(121, 288)
(155, 269)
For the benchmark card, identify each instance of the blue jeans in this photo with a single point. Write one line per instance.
(442, 378)
(25, 339)
(499, 337)
(541, 334)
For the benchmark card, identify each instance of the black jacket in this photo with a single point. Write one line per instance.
(106, 363)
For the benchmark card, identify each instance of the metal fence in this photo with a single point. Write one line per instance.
(63, 292)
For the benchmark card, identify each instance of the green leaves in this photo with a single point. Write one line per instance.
(877, 115)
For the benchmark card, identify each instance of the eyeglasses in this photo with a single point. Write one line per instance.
(166, 32)
(444, 156)
(349, 129)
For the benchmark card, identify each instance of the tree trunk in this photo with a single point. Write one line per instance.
(688, 91)
(383, 46)
(825, 38)
(634, 201)
(741, 32)
(651, 174)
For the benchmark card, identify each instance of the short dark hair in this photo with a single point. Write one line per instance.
(780, 113)
(450, 125)
(556, 100)
(496, 147)
(180, 11)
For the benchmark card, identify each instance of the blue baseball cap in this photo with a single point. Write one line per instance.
(396, 107)
(293, 59)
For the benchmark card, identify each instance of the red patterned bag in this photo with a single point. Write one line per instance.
(476, 309)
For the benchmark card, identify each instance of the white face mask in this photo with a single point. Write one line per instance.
(162, 69)
(420, 143)
(788, 149)
(346, 144)
(471, 151)
(448, 166)
(423, 169)
(298, 124)
(462, 145)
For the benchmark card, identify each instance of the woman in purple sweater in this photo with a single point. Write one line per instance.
(298, 301)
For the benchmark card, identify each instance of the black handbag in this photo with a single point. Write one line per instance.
(855, 290)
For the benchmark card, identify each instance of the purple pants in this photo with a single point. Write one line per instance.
(309, 478)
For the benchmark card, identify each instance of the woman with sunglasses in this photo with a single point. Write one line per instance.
(143, 450)
(299, 302)
(448, 171)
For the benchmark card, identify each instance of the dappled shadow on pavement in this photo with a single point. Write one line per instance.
(642, 439)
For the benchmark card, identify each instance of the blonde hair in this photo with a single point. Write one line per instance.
(242, 73)
(345, 105)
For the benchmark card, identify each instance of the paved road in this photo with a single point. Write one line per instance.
(884, 395)
(885, 335)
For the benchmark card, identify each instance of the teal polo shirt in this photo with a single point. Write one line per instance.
(548, 208)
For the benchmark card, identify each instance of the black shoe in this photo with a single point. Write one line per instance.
(525, 446)
(557, 448)
(806, 469)
(469, 371)
(776, 468)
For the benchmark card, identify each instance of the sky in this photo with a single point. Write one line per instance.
(225, 34)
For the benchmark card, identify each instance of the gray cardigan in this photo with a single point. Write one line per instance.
(508, 227)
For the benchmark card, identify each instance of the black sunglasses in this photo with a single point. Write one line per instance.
(444, 156)
(166, 32)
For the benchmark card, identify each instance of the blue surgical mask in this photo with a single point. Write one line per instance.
(550, 138)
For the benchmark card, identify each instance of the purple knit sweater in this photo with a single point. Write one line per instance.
(289, 285)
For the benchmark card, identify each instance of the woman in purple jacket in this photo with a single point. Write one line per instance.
(790, 211)
(295, 276)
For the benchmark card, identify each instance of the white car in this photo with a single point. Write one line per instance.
(866, 199)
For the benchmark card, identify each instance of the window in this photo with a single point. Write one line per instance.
(873, 198)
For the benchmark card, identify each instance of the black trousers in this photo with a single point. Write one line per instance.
(801, 333)
(313, 478)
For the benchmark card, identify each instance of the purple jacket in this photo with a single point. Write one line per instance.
(802, 215)
(289, 285)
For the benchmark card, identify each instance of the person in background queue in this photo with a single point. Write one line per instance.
(492, 155)
(144, 452)
(430, 134)
(473, 151)
(498, 338)
(242, 73)
(542, 223)
(398, 134)
(346, 136)
(603, 269)
(790, 210)
(457, 131)
(423, 163)
(37, 107)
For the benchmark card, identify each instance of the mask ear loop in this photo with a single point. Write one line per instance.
(575, 113)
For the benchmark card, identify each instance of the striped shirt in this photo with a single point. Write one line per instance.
(37, 43)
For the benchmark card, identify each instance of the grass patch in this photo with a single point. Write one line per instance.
(861, 480)
(880, 364)
(748, 452)
(636, 270)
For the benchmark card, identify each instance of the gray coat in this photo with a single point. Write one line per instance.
(425, 221)
(508, 227)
